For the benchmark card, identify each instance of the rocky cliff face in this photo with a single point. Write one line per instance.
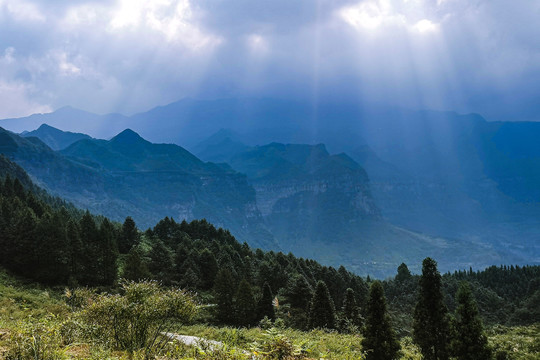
(303, 192)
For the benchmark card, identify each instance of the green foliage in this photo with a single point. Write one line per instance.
(431, 331)
(161, 263)
(36, 340)
(277, 346)
(224, 289)
(322, 311)
(380, 341)
(350, 312)
(244, 306)
(136, 318)
(129, 236)
(469, 341)
(135, 267)
(515, 343)
(265, 307)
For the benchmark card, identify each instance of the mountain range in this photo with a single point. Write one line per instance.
(454, 181)
(292, 197)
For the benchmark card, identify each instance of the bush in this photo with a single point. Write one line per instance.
(277, 346)
(134, 320)
(35, 340)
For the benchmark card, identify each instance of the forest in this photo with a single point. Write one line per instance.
(49, 241)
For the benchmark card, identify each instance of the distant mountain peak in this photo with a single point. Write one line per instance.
(46, 127)
(127, 136)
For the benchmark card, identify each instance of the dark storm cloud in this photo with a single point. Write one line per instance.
(126, 56)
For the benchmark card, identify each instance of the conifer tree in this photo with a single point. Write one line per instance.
(350, 309)
(108, 253)
(431, 330)
(469, 341)
(190, 273)
(380, 340)
(209, 268)
(161, 264)
(53, 249)
(75, 251)
(245, 307)
(129, 236)
(403, 273)
(298, 294)
(322, 311)
(91, 254)
(135, 267)
(265, 306)
(224, 289)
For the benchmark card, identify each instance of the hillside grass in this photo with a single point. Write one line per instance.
(36, 323)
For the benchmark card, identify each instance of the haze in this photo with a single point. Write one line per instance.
(130, 55)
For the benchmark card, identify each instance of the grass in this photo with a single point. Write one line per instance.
(36, 323)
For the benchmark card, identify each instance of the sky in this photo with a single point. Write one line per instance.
(127, 56)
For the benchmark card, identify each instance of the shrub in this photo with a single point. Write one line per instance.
(34, 339)
(134, 320)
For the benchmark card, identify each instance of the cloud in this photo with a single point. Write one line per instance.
(130, 55)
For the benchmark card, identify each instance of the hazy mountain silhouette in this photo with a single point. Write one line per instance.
(54, 138)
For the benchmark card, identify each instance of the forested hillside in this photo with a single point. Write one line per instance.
(50, 241)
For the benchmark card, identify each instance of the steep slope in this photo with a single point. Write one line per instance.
(444, 174)
(146, 181)
(56, 139)
(320, 205)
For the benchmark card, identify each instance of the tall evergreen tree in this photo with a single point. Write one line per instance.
(75, 251)
(108, 252)
(350, 309)
(403, 273)
(224, 289)
(380, 340)
(469, 341)
(322, 312)
(209, 268)
(431, 330)
(53, 249)
(298, 294)
(91, 255)
(135, 267)
(161, 264)
(245, 306)
(265, 306)
(129, 236)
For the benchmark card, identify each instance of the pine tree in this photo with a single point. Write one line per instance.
(431, 330)
(209, 268)
(245, 307)
(322, 311)
(380, 340)
(265, 306)
(350, 309)
(108, 252)
(135, 267)
(298, 294)
(75, 251)
(53, 248)
(403, 273)
(129, 236)
(161, 264)
(469, 341)
(91, 254)
(224, 289)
